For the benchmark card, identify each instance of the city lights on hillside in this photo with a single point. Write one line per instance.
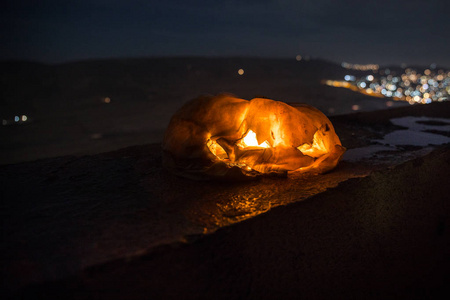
(358, 67)
(411, 86)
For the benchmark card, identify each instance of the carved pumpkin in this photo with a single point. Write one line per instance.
(227, 137)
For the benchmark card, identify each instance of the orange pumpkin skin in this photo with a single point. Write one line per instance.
(206, 138)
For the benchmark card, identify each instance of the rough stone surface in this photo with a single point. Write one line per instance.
(381, 237)
(116, 225)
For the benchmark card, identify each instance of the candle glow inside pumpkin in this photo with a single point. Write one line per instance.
(215, 136)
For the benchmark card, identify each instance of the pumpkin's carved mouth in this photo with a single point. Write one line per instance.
(213, 135)
(247, 152)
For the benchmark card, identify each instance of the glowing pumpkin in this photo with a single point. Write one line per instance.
(224, 136)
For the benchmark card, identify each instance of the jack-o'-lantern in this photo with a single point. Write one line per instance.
(227, 137)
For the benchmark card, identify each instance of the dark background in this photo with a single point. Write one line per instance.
(382, 32)
(84, 77)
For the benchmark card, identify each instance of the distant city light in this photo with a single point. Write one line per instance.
(96, 136)
(16, 119)
(349, 78)
(24, 118)
(241, 71)
(355, 107)
(107, 100)
(414, 86)
(298, 57)
(369, 67)
(4, 122)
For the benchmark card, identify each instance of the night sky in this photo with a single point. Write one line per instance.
(383, 32)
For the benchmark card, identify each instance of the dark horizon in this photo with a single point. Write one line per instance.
(117, 58)
(409, 32)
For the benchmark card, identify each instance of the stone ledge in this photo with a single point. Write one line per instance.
(384, 236)
(88, 218)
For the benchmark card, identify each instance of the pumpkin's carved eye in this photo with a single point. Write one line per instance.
(261, 135)
(317, 148)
